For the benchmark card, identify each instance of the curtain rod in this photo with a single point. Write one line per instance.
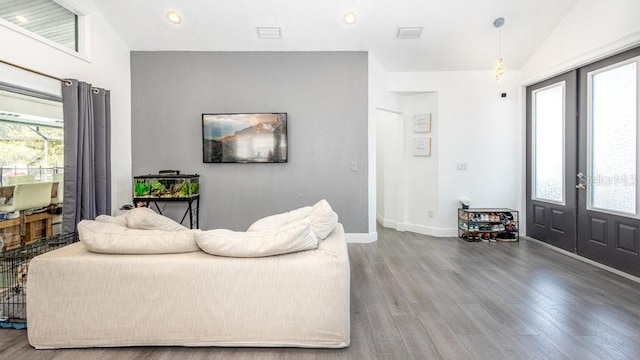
(67, 82)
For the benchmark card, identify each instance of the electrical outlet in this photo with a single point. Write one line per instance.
(461, 166)
(354, 166)
(430, 214)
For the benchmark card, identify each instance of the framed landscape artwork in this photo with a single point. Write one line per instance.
(244, 138)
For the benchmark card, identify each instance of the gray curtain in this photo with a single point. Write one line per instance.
(87, 149)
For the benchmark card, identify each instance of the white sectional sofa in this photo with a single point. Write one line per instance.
(79, 298)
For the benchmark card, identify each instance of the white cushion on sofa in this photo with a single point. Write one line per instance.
(109, 238)
(323, 219)
(147, 219)
(274, 222)
(292, 237)
(118, 220)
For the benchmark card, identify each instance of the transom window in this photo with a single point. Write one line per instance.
(45, 18)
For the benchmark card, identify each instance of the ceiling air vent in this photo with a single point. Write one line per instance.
(269, 32)
(408, 33)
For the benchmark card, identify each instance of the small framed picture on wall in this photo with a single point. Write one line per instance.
(422, 146)
(422, 123)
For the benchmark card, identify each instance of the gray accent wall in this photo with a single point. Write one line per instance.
(325, 96)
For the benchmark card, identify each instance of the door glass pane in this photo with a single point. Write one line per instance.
(612, 151)
(548, 143)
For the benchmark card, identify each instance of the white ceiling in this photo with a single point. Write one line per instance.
(457, 35)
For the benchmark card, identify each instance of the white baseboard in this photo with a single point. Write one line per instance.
(419, 229)
(386, 222)
(428, 230)
(361, 238)
(584, 259)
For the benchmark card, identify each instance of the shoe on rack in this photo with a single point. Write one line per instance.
(507, 236)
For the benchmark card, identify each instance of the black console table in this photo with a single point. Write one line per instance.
(193, 210)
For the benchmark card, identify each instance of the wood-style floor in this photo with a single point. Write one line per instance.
(418, 297)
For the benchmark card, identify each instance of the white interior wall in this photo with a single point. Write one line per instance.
(108, 68)
(390, 143)
(420, 173)
(379, 98)
(473, 125)
(380, 162)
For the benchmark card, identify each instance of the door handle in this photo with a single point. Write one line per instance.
(582, 181)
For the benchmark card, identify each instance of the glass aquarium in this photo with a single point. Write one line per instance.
(166, 186)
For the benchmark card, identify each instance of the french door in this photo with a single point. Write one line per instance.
(600, 196)
(551, 161)
(608, 213)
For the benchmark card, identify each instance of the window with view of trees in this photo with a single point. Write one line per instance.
(31, 136)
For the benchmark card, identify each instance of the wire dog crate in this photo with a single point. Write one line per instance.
(14, 269)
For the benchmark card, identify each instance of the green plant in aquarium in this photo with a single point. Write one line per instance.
(141, 189)
(137, 189)
(194, 188)
(178, 190)
(184, 190)
(157, 189)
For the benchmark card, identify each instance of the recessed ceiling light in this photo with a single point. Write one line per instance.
(350, 18)
(174, 17)
(21, 19)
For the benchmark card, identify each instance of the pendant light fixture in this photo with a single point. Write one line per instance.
(500, 68)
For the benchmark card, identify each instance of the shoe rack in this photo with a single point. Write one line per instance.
(488, 225)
